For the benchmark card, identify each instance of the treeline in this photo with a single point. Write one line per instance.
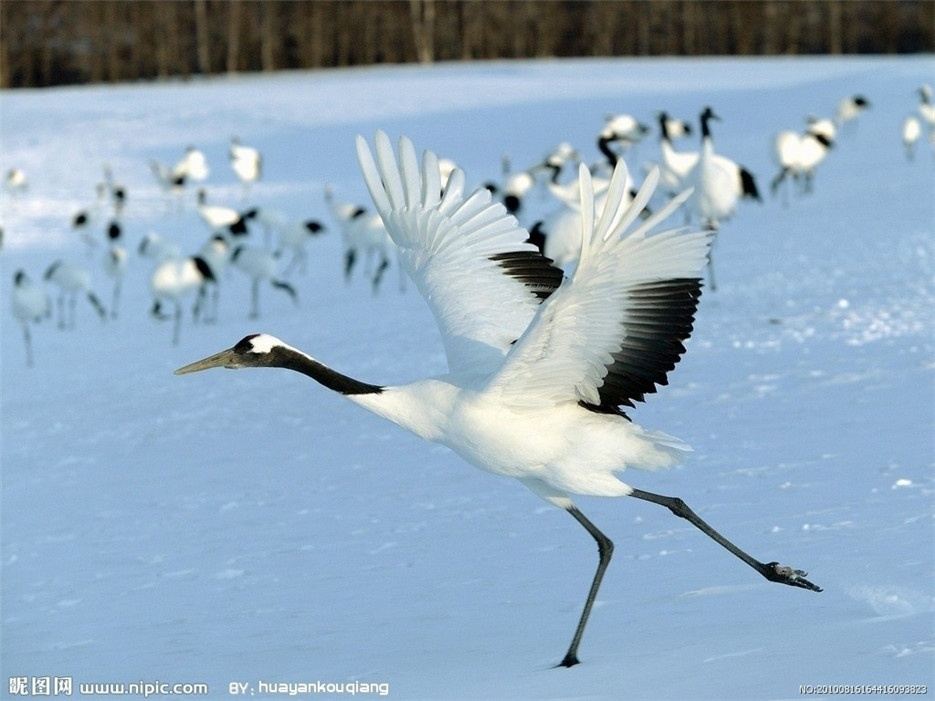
(50, 42)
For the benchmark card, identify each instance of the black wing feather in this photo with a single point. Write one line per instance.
(660, 316)
(532, 269)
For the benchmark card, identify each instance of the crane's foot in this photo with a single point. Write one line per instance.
(570, 661)
(782, 574)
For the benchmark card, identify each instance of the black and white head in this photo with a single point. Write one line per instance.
(255, 350)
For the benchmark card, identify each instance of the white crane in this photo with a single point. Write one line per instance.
(192, 166)
(16, 181)
(170, 181)
(246, 162)
(714, 197)
(157, 247)
(260, 265)
(623, 129)
(364, 234)
(30, 305)
(215, 253)
(223, 220)
(849, 108)
(923, 121)
(115, 267)
(539, 366)
(293, 236)
(118, 192)
(675, 128)
(173, 280)
(87, 218)
(516, 186)
(912, 130)
(799, 154)
(72, 279)
(676, 165)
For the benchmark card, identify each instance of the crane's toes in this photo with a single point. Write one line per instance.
(787, 575)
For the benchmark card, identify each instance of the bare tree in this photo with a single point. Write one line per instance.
(233, 35)
(201, 34)
(422, 14)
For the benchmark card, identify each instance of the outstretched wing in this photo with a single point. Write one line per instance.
(467, 255)
(612, 333)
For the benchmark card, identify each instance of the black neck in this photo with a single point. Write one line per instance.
(604, 145)
(293, 360)
(556, 171)
(663, 128)
(705, 129)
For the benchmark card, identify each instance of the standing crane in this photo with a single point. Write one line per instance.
(539, 365)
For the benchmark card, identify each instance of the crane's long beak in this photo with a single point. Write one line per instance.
(224, 359)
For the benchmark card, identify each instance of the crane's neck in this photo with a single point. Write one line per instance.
(292, 359)
(664, 129)
(603, 144)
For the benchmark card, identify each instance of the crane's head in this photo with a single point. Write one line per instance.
(709, 113)
(255, 350)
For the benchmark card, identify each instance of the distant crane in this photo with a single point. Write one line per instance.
(246, 162)
(539, 366)
(30, 305)
(799, 154)
(260, 265)
(718, 184)
(173, 280)
(72, 279)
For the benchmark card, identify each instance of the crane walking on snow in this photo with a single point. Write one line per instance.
(539, 365)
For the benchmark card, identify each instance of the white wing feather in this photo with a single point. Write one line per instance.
(622, 289)
(468, 256)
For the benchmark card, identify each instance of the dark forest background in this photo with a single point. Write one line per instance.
(51, 42)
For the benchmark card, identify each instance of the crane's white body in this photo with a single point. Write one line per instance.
(222, 219)
(799, 154)
(715, 188)
(16, 181)
(175, 279)
(260, 266)
(30, 304)
(71, 279)
(157, 247)
(676, 166)
(294, 236)
(849, 108)
(246, 162)
(192, 166)
(556, 449)
(364, 236)
(912, 130)
(624, 129)
(520, 368)
(30, 300)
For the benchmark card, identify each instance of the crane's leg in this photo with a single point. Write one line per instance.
(177, 323)
(28, 338)
(255, 299)
(605, 549)
(772, 571)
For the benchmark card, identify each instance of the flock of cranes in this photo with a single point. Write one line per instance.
(182, 276)
(553, 326)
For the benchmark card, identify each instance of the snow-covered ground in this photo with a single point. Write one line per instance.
(251, 527)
